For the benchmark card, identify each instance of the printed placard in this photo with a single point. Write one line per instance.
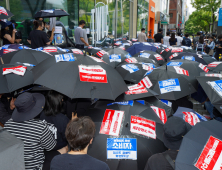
(50, 49)
(130, 67)
(146, 67)
(169, 85)
(173, 55)
(203, 67)
(181, 71)
(214, 64)
(136, 89)
(125, 103)
(173, 63)
(148, 64)
(142, 126)
(211, 155)
(144, 55)
(115, 58)
(19, 70)
(190, 118)
(58, 30)
(167, 49)
(177, 50)
(158, 57)
(64, 57)
(3, 11)
(64, 50)
(213, 75)
(217, 86)
(146, 82)
(111, 123)
(191, 58)
(101, 53)
(122, 148)
(92, 73)
(5, 51)
(160, 113)
(131, 60)
(77, 51)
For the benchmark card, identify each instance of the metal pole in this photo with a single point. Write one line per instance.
(7, 5)
(122, 16)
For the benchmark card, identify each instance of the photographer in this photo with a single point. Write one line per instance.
(218, 47)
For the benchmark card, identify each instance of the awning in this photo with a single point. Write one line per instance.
(164, 22)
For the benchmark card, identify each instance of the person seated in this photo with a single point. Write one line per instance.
(7, 34)
(79, 134)
(173, 131)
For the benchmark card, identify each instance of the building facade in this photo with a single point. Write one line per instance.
(175, 13)
(151, 20)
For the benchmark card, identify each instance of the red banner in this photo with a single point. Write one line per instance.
(19, 70)
(214, 64)
(191, 118)
(50, 49)
(136, 89)
(203, 67)
(131, 60)
(160, 113)
(158, 57)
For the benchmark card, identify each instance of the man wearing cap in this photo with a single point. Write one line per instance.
(173, 131)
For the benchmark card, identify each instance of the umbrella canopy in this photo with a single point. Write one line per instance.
(215, 66)
(51, 13)
(93, 50)
(14, 77)
(171, 50)
(4, 13)
(24, 56)
(12, 47)
(208, 59)
(151, 55)
(136, 48)
(146, 147)
(198, 145)
(78, 76)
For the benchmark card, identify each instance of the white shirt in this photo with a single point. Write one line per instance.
(166, 41)
(179, 40)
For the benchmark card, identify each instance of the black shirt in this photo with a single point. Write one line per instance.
(159, 162)
(38, 38)
(173, 42)
(77, 162)
(186, 42)
(158, 37)
(6, 41)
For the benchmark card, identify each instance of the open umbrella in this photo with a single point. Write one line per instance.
(4, 13)
(151, 55)
(12, 47)
(54, 50)
(51, 13)
(136, 48)
(171, 50)
(93, 50)
(201, 147)
(78, 76)
(208, 59)
(215, 66)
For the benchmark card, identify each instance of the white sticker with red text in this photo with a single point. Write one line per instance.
(111, 123)
(191, 118)
(97, 59)
(213, 75)
(143, 127)
(146, 82)
(131, 60)
(136, 89)
(77, 51)
(101, 53)
(180, 70)
(173, 55)
(146, 67)
(203, 67)
(19, 70)
(50, 49)
(160, 113)
(158, 57)
(214, 64)
(5, 51)
(177, 50)
(92, 73)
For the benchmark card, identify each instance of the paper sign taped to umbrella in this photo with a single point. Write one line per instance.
(3, 11)
(214, 64)
(190, 118)
(64, 57)
(48, 11)
(5, 46)
(172, 63)
(181, 71)
(203, 67)
(101, 53)
(158, 57)
(144, 55)
(130, 67)
(19, 70)
(211, 155)
(169, 85)
(167, 50)
(177, 50)
(115, 58)
(160, 113)
(122, 148)
(173, 55)
(111, 123)
(217, 86)
(191, 58)
(5, 51)
(128, 55)
(118, 43)
(131, 60)
(50, 49)
(23, 47)
(77, 51)
(93, 73)
(213, 75)
(166, 102)
(146, 67)
(136, 89)
(148, 64)
(58, 30)
(130, 103)
(146, 82)
(142, 126)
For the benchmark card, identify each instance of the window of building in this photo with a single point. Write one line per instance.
(171, 15)
(142, 15)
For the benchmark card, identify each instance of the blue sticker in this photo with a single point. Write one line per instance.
(144, 55)
(23, 47)
(168, 103)
(191, 58)
(174, 63)
(169, 85)
(128, 55)
(217, 86)
(122, 148)
(141, 101)
(148, 72)
(5, 46)
(130, 102)
(38, 49)
(149, 64)
(64, 57)
(115, 58)
(130, 67)
(202, 118)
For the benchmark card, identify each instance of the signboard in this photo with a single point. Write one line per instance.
(217, 86)
(19, 70)
(115, 58)
(181, 71)
(190, 118)
(121, 148)
(64, 57)
(214, 64)
(191, 58)
(160, 113)
(136, 89)
(169, 85)
(58, 30)
(174, 63)
(203, 67)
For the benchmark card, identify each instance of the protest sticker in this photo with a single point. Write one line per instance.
(214, 64)
(217, 86)
(118, 43)
(19, 70)
(144, 55)
(181, 71)
(111, 123)
(158, 57)
(101, 53)
(92, 73)
(190, 118)
(77, 51)
(190, 58)
(211, 155)
(62, 49)
(173, 63)
(50, 49)
(134, 39)
(148, 72)
(122, 148)
(146, 82)
(203, 67)
(65, 57)
(125, 103)
(131, 60)
(213, 75)
(130, 67)
(136, 89)
(146, 67)
(48, 10)
(5, 51)
(3, 11)
(148, 64)
(169, 85)
(160, 113)
(115, 58)
(167, 49)
(142, 126)
(173, 55)
(177, 50)
(97, 59)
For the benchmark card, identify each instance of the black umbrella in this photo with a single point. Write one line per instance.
(203, 141)
(82, 77)
(92, 50)
(215, 66)
(146, 147)
(24, 56)
(4, 13)
(51, 13)
(171, 50)
(14, 77)
(142, 60)
(208, 59)
(56, 50)
(151, 55)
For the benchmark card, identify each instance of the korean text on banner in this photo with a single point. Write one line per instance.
(122, 148)
(203, 67)
(77, 51)
(101, 53)
(211, 155)
(146, 82)
(115, 58)
(50, 49)
(190, 118)
(136, 89)
(143, 127)
(217, 86)
(158, 57)
(93, 73)
(214, 64)
(169, 85)
(64, 57)
(190, 58)
(131, 60)
(144, 55)
(160, 113)
(130, 67)
(19, 70)
(181, 71)
(111, 123)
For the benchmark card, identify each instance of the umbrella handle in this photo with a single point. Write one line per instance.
(2, 60)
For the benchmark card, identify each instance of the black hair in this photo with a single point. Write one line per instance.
(82, 22)
(220, 36)
(143, 29)
(37, 23)
(53, 103)
(160, 30)
(179, 33)
(168, 33)
(172, 37)
(198, 33)
(201, 39)
(186, 35)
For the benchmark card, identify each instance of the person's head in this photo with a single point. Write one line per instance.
(168, 33)
(179, 33)
(53, 103)
(160, 30)
(38, 25)
(80, 132)
(201, 39)
(186, 35)
(47, 25)
(172, 37)
(5, 25)
(82, 23)
(173, 131)
(143, 30)
(198, 33)
(220, 37)
(39, 19)
(211, 38)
